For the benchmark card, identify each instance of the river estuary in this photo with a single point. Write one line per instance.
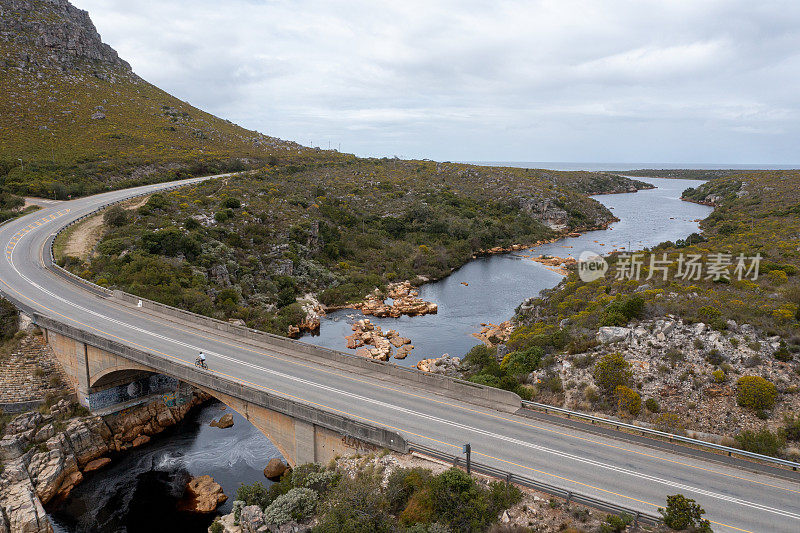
(138, 492)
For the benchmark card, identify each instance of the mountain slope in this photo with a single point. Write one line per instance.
(74, 117)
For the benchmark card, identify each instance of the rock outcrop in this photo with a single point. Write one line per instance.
(64, 31)
(370, 341)
(440, 365)
(689, 369)
(202, 495)
(224, 422)
(405, 301)
(493, 334)
(41, 463)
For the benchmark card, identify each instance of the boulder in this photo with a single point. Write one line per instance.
(24, 511)
(12, 447)
(609, 334)
(224, 422)
(251, 519)
(275, 468)
(140, 440)
(50, 471)
(97, 464)
(202, 495)
(403, 351)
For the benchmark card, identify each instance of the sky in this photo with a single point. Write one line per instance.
(700, 81)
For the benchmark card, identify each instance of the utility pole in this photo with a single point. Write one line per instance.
(468, 451)
(22, 163)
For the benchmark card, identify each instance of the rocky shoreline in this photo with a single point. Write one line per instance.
(46, 454)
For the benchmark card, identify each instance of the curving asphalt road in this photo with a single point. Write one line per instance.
(625, 473)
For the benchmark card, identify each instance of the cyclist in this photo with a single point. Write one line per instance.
(201, 360)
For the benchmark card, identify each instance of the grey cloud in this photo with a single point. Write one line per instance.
(612, 80)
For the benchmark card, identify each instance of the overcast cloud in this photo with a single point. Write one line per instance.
(706, 81)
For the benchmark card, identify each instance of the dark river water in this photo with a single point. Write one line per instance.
(139, 491)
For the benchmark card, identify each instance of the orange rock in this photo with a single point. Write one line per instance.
(97, 464)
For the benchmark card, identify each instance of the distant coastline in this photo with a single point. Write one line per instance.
(609, 167)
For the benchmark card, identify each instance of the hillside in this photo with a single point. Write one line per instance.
(713, 350)
(247, 246)
(75, 119)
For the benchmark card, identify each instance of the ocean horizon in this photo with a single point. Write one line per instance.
(607, 167)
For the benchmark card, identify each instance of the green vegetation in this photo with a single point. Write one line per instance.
(616, 523)
(628, 401)
(414, 499)
(481, 366)
(755, 392)
(764, 442)
(612, 372)
(757, 213)
(247, 246)
(684, 514)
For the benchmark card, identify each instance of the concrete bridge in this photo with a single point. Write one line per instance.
(316, 403)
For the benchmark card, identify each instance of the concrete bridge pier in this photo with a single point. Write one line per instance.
(299, 441)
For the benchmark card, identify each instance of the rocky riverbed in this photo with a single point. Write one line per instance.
(46, 455)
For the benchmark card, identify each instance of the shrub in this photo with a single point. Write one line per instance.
(707, 313)
(401, 484)
(628, 400)
(623, 309)
(238, 505)
(669, 423)
(115, 216)
(459, 502)
(319, 482)
(612, 371)
(255, 494)
(9, 319)
(683, 513)
(714, 357)
(755, 392)
(232, 203)
(297, 504)
(791, 428)
(523, 361)
(718, 376)
(216, 527)
(615, 523)
(652, 405)
(764, 442)
(355, 505)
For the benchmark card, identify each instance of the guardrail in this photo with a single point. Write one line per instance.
(654, 432)
(547, 488)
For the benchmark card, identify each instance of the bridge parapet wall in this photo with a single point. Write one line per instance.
(331, 433)
(456, 388)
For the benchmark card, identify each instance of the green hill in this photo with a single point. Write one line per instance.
(74, 118)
